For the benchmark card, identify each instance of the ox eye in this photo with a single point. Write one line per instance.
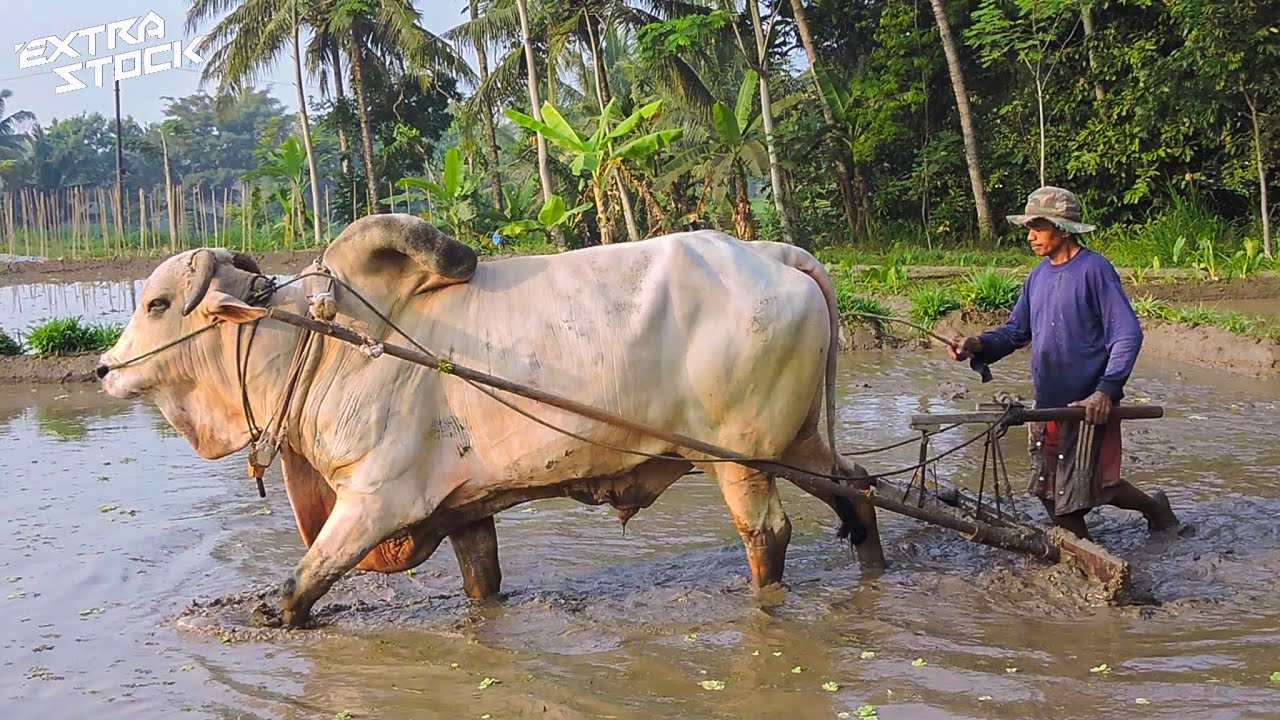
(157, 306)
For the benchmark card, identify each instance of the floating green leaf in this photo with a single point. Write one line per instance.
(778, 654)
(1011, 669)
(1275, 677)
(488, 682)
(108, 508)
(712, 684)
(868, 655)
(1102, 669)
(918, 662)
(691, 637)
(831, 686)
(797, 669)
(344, 715)
(983, 698)
(867, 711)
(1142, 701)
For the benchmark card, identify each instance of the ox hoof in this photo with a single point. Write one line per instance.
(291, 615)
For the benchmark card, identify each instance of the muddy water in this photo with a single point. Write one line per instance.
(111, 527)
(94, 302)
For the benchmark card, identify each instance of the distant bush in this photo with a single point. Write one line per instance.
(66, 336)
(990, 289)
(930, 304)
(9, 345)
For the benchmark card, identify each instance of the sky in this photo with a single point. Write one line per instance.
(34, 88)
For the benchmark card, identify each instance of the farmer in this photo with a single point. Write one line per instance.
(1084, 339)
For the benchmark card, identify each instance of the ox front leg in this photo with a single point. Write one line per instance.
(476, 546)
(757, 512)
(358, 523)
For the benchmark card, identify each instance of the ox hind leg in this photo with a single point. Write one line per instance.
(757, 512)
(810, 453)
(476, 547)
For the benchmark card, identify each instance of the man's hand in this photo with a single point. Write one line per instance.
(1097, 407)
(961, 348)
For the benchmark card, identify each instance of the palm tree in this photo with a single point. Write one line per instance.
(761, 66)
(486, 114)
(544, 169)
(966, 119)
(14, 143)
(392, 31)
(844, 164)
(248, 41)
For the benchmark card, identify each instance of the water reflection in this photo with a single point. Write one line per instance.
(94, 302)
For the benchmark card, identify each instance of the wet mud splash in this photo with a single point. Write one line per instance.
(131, 571)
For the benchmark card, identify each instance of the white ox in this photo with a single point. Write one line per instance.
(695, 333)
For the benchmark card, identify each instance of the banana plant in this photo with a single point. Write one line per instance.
(735, 149)
(287, 165)
(554, 214)
(451, 200)
(600, 155)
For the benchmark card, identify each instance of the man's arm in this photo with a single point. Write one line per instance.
(1016, 333)
(1121, 330)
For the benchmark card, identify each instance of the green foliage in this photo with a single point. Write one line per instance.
(9, 345)
(930, 304)
(69, 335)
(452, 200)
(888, 278)
(990, 289)
(680, 35)
(553, 215)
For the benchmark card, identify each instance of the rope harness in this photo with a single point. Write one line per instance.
(266, 441)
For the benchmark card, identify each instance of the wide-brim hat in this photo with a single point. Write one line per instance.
(1058, 206)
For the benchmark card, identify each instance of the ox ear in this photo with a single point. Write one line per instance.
(399, 251)
(230, 308)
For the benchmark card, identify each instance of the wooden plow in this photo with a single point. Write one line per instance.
(989, 520)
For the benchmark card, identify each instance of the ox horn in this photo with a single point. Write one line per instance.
(202, 266)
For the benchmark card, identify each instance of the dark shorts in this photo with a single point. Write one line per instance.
(1073, 493)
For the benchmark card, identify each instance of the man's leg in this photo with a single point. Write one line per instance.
(1155, 507)
(1071, 522)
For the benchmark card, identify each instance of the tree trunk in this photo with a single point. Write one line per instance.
(306, 129)
(1086, 17)
(966, 120)
(366, 133)
(602, 97)
(1262, 171)
(766, 117)
(544, 169)
(490, 138)
(1040, 110)
(603, 221)
(744, 221)
(340, 91)
(839, 154)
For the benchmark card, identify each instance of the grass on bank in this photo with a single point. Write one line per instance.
(1231, 321)
(62, 336)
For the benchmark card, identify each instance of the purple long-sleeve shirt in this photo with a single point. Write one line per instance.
(1083, 333)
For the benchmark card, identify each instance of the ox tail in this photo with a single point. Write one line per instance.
(850, 526)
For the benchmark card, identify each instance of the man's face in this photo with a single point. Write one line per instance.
(1046, 238)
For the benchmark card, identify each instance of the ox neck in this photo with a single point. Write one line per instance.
(266, 351)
